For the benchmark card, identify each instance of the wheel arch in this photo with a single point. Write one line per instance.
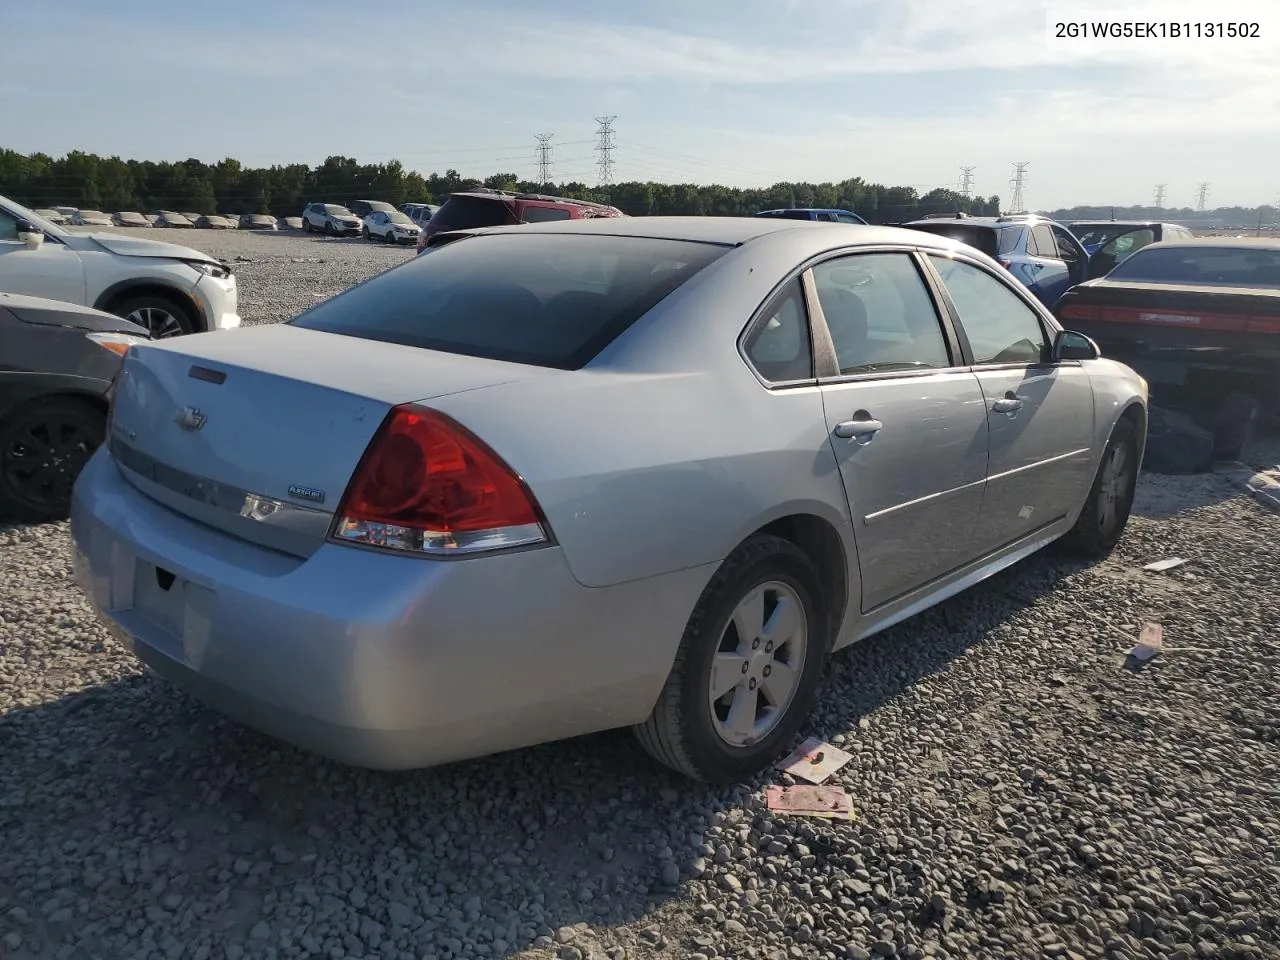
(151, 287)
(822, 543)
(1136, 413)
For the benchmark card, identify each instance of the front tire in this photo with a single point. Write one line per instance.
(1106, 512)
(44, 445)
(162, 316)
(748, 666)
(364, 232)
(306, 225)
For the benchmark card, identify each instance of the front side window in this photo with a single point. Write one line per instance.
(1001, 326)
(880, 314)
(8, 226)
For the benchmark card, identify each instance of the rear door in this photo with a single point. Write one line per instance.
(905, 418)
(1040, 414)
(1118, 249)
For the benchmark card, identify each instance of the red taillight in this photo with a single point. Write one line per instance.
(428, 485)
(1080, 311)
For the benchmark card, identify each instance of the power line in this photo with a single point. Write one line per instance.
(966, 181)
(1017, 182)
(1201, 195)
(605, 148)
(1160, 195)
(544, 158)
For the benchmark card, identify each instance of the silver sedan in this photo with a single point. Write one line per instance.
(564, 477)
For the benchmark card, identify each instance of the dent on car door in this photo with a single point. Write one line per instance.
(52, 270)
(1040, 414)
(906, 421)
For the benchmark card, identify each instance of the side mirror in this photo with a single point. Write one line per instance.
(30, 234)
(1069, 345)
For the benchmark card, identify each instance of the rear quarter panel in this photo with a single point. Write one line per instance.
(666, 452)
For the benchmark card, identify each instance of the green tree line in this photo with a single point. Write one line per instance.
(91, 182)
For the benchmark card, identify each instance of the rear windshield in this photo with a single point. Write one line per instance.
(466, 213)
(985, 239)
(544, 299)
(1202, 266)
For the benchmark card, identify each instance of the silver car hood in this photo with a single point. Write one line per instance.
(134, 247)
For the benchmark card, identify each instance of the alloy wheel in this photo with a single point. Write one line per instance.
(161, 323)
(758, 663)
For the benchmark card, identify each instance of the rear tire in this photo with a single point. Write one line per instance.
(44, 444)
(772, 583)
(1106, 511)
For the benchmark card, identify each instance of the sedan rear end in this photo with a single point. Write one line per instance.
(294, 523)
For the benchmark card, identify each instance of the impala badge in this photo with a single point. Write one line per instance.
(306, 493)
(190, 418)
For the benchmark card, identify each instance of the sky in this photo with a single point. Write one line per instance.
(740, 92)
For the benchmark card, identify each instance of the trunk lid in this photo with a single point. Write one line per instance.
(257, 431)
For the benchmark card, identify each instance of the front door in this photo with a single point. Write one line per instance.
(1040, 414)
(52, 270)
(908, 425)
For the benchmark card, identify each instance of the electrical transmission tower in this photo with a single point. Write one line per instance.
(605, 147)
(1017, 182)
(544, 159)
(966, 181)
(1160, 195)
(1201, 195)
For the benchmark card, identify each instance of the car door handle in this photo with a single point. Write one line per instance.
(858, 428)
(1009, 403)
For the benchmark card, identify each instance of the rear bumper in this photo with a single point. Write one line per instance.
(372, 659)
(1132, 343)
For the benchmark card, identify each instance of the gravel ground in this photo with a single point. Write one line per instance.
(1021, 790)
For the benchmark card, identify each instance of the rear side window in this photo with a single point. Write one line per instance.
(778, 345)
(549, 300)
(544, 214)
(468, 213)
(1202, 266)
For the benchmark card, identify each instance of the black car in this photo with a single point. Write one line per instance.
(362, 208)
(1201, 314)
(57, 362)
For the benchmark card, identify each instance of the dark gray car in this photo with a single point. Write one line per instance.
(57, 362)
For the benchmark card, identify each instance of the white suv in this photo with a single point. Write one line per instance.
(168, 289)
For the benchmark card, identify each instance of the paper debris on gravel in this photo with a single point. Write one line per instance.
(830, 802)
(1162, 565)
(814, 760)
(1150, 641)
(1265, 486)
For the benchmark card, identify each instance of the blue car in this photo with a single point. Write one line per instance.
(814, 213)
(1042, 254)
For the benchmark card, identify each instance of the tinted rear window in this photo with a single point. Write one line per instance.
(467, 213)
(544, 299)
(1202, 266)
(544, 214)
(984, 238)
(1091, 235)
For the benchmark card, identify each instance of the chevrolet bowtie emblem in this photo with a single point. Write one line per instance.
(189, 418)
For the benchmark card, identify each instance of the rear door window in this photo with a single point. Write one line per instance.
(1043, 244)
(550, 300)
(880, 314)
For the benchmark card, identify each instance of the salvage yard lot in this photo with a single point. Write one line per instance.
(1020, 791)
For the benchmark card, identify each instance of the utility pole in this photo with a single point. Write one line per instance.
(1017, 182)
(544, 159)
(1200, 197)
(1160, 195)
(966, 182)
(605, 147)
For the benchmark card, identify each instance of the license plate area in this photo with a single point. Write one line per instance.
(159, 596)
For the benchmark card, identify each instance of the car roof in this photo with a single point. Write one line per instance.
(807, 210)
(1121, 223)
(529, 197)
(729, 231)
